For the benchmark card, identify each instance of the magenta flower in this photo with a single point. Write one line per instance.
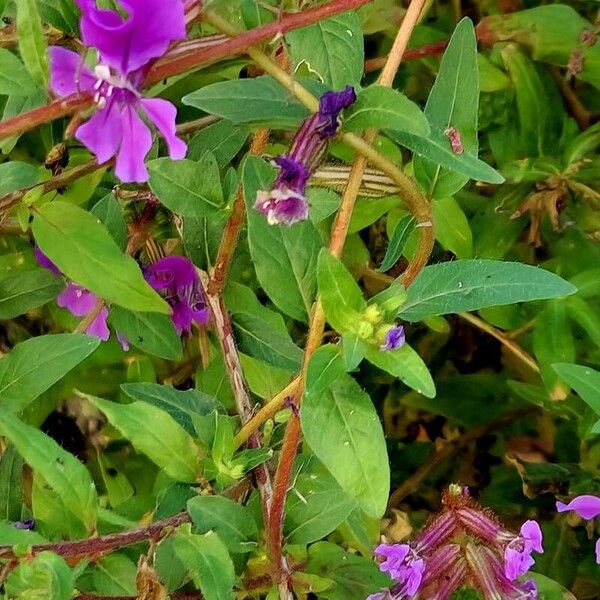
(394, 338)
(175, 278)
(587, 507)
(403, 565)
(126, 46)
(517, 554)
(286, 202)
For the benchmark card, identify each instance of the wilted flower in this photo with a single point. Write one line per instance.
(286, 202)
(587, 507)
(175, 278)
(394, 338)
(126, 47)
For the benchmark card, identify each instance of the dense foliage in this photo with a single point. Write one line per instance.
(299, 299)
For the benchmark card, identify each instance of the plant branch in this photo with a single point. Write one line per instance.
(105, 543)
(374, 64)
(451, 449)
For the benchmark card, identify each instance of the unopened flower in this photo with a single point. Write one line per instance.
(175, 278)
(587, 507)
(26, 524)
(403, 565)
(126, 47)
(517, 554)
(394, 338)
(286, 202)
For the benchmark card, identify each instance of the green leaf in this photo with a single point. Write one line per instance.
(315, 506)
(46, 575)
(67, 477)
(81, 247)
(451, 227)
(62, 14)
(405, 364)
(325, 366)
(257, 100)
(343, 430)
(453, 103)
(228, 519)
(15, 175)
(549, 589)
(14, 77)
(332, 49)
(110, 212)
(114, 575)
(151, 332)
(38, 363)
(21, 292)
(260, 332)
(188, 188)
(584, 380)
(284, 257)
(466, 285)
(11, 498)
(223, 139)
(182, 405)
(208, 563)
(402, 231)
(341, 297)
(385, 108)
(153, 432)
(32, 41)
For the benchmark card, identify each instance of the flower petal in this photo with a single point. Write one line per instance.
(135, 144)
(77, 300)
(68, 72)
(598, 551)
(98, 327)
(162, 113)
(127, 43)
(530, 530)
(102, 133)
(44, 261)
(172, 272)
(586, 506)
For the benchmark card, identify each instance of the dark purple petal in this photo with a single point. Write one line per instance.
(98, 327)
(77, 300)
(68, 72)
(530, 590)
(171, 272)
(586, 506)
(394, 338)
(330, 106)
(282, 207)
(162, 113)
(102, 134)
(135, 144)
(45, 262)
(128, 43)
(293, 174)
(27, 524)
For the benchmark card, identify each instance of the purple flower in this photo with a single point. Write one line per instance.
(403, 565)
(80, 302)
(517, 554)
(126, 46)
(529, 590)
(27, 524)
(286, 202)
(586, 506)
(394, 338)
(175, 278)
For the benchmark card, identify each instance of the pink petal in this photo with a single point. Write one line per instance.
(162, 113)
(586, 506)
(531, 531)
(598, 551)
(135, 145)
(68, 72)
(98, 327)
(77, 300)
(102, 133)
(131, 42)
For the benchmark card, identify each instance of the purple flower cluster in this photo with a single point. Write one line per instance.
(286, 202)
(588, 508)
(463, 545)
(126, 47)
(174, 277)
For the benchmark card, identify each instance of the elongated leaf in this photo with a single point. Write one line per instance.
(284, 257)
(343, 430)
(584, 380)
(84, 251)
(14, 78)
(11, 498)
(189, 188)
(67, 477)
(21, 292)
(182, 405)
(15, 174)
(34, 365)
(452, 227)
(465, 285)
(153, 432)
(385, 108)
(63, 14)
(326, 365)
(332, 49)
(110, 212)
(151, 332)
(228, 519)
(32, 41)
(208, 563)
(223, 139)
(402, 231)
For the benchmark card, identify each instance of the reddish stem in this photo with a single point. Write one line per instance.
(374, 64)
